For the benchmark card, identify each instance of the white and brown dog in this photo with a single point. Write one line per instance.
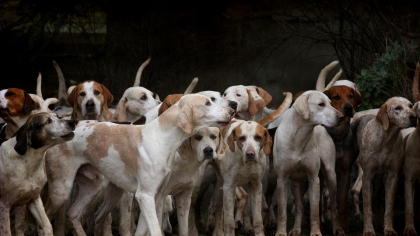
(22, 167)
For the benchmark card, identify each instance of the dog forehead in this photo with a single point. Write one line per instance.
(315, 96)
(248, 127)
(210, 94)
(192, 99)
(346, 83)
(235, 88)
(340, 90)
(397, 101)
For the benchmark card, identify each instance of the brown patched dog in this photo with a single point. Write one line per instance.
(90, 101)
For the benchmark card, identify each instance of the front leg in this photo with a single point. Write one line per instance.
(256, 203)
(126, 208)
(183, 204)
(228, 209)
(20, 213)
(282, 206)
(409, 229)
(148, 210)
(314, 203)
(298, 201)
(368, 229)
(390, 189)
(37, 209)
(329, 173)
(5, 220)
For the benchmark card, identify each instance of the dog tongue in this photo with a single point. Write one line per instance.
(233, 116)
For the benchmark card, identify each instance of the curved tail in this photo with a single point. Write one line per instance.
(47, 102)
(336, 77)
(192, 86)
(416, 93)
(62, 90)
(38, 86)
(138, 75)
(320, 84)
(284, 106)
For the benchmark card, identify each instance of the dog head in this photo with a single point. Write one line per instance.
(90, 99)
(251, 138)
(217, 98)
(198, 111)
(207, 143)
(43, 130)
(397, 111)
(250, 99)
(15, 102)
(344, 98)
(315, 107)
(135, 102)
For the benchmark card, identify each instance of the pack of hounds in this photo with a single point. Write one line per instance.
(70, 160)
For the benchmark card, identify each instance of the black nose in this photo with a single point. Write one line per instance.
(413, 119)
(208, 152)
(348, 109)
(233, 105)
(90, 105)
(72, 123)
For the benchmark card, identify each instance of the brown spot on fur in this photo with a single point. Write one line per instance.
(341, 96)
(20, 103)
(169, 101)
(123, 138)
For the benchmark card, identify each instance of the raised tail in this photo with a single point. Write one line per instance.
(38, 86)
(284, 106)
(138, 75)
(320, 84)
(62, 90)
(192, 86)
(416, 93)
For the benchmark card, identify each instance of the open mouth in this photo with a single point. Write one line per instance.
(68, 136)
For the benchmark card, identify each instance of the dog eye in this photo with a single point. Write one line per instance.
(336, 98)
(224, 95)
(321, 104)
(213, 137)
(9, 94)
(213, 99)
(144, 98)
(49, 120)
(238, 95)
(398, 108)
(96, 92)
(242, 138)
(208, 103)
(410, 106)
(82, 94)
(198, 138)
(258, 138)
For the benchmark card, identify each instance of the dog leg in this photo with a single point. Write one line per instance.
(148, 208)
(314, 202)
(282, 206)
(256, 191)
(125, 206)
(218, 199)
(228, 209)
(37, 209)
(183, 203)
(242, 196)
(409, 229)
(20, 213)
(5, 220)
(331, 178)
(355, 190)
(368, 229)
(298, 203)
(390, 189)
(248, 229)
(271, 187)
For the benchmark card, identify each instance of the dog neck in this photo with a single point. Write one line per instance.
(33, 158)
(388, 136)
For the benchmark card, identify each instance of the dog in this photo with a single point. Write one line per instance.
(22, 167)
(298, 141)
(124, 157)
(346, 98)
(381, 151)
(411, 162)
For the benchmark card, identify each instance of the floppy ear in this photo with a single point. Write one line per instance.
(327, 92)
(72, 101)
(231, 140)
(185, 119)
(185, 150)
(221, 148)
(29, 104)
(120, 114)
(168, 102)
(417, 109)
(268, 141)
(255, 102)
(23, 138)
(302, 107)
(264, 95)
(108, 98)
(382, 117)
(357, 98)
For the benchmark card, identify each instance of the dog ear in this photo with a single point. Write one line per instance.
(382, 117)
(221, 148)
(268, 142)
(108, 98)
(29, 104)
(185, 150)
(327, 92)
(185, 119)
(302, 107)
(23, 139)
(264, 95)
(255, 102)
(357, 98)
(72, 101)
(416, 109)
(168, 102)
(231, 140)
(120, 114)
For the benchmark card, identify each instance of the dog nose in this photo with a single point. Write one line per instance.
(233, 105)
(72, 123)
(250, 154)
(340, 117)
(90, 105)
(413, 119)
(208, 152)
(348, 109)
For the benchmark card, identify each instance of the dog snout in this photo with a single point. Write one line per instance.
(340, 117)
(231, 112)
(348, 110)
(208, 152)
(250, 156)
(413, 120)
(233, 105)
(90, 105)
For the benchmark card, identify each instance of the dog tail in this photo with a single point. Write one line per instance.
(38, 86)
(320, 84)
(336, 77)
(416, 93)
(284, 106)
(192, 86)
(48, 102)
(62, 90)
(138, 75)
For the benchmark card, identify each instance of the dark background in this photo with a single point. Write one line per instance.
(278, 45)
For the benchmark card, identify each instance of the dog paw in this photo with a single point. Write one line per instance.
(294, 232)
(390, 233)
(339, 232)
(369, 233)
(410, 232)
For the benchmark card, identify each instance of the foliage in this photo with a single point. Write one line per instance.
(389, 75)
